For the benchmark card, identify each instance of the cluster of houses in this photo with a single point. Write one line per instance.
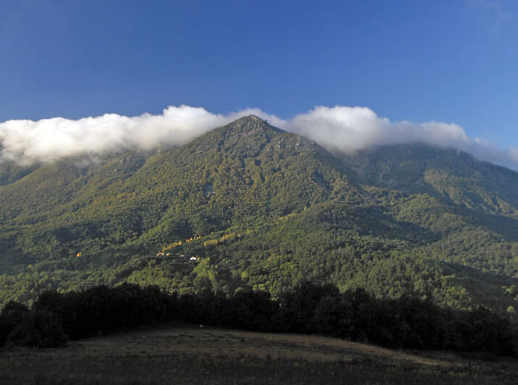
(191, 258)
(160, 254)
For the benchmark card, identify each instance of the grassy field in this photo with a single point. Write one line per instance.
(188, 355)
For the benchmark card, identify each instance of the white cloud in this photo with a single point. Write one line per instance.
(49, 139)
(348, 129)
(340, 128)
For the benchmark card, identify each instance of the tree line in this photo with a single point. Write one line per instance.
(408, 322)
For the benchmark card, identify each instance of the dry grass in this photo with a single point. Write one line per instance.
(187, 355)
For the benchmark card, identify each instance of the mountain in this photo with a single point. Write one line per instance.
(233, 175)
(257, 207)
(448, 174)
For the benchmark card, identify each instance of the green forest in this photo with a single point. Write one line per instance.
(403, 323)
(250, 207)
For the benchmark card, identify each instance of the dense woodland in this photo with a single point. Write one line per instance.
(256, 208)
(407, 322)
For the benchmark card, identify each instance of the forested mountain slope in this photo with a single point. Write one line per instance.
(257, 207)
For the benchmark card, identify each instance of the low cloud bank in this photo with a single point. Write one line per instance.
(340, 128)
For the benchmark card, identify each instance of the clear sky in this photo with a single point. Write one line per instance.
(452, 61)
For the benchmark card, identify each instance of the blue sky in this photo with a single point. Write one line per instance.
(432, 60)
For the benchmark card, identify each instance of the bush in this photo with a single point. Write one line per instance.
(40, 329)
(12, 315)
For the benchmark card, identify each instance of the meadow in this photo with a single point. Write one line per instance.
(183, 354)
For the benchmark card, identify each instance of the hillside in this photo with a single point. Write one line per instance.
(451, 175)
(237, 174)
(261, 208)
(182, 354)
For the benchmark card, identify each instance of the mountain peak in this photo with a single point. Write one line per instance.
(250, 118)
(251, 123)
(243, 130)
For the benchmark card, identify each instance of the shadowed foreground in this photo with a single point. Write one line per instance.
(187, 355)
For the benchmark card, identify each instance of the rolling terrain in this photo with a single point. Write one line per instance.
(181, 354)
(249, 206)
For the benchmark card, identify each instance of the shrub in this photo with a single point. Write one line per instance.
(12, 315)
(40, 329)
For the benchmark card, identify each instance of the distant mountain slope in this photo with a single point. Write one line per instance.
(449, 174)
(259, 207)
